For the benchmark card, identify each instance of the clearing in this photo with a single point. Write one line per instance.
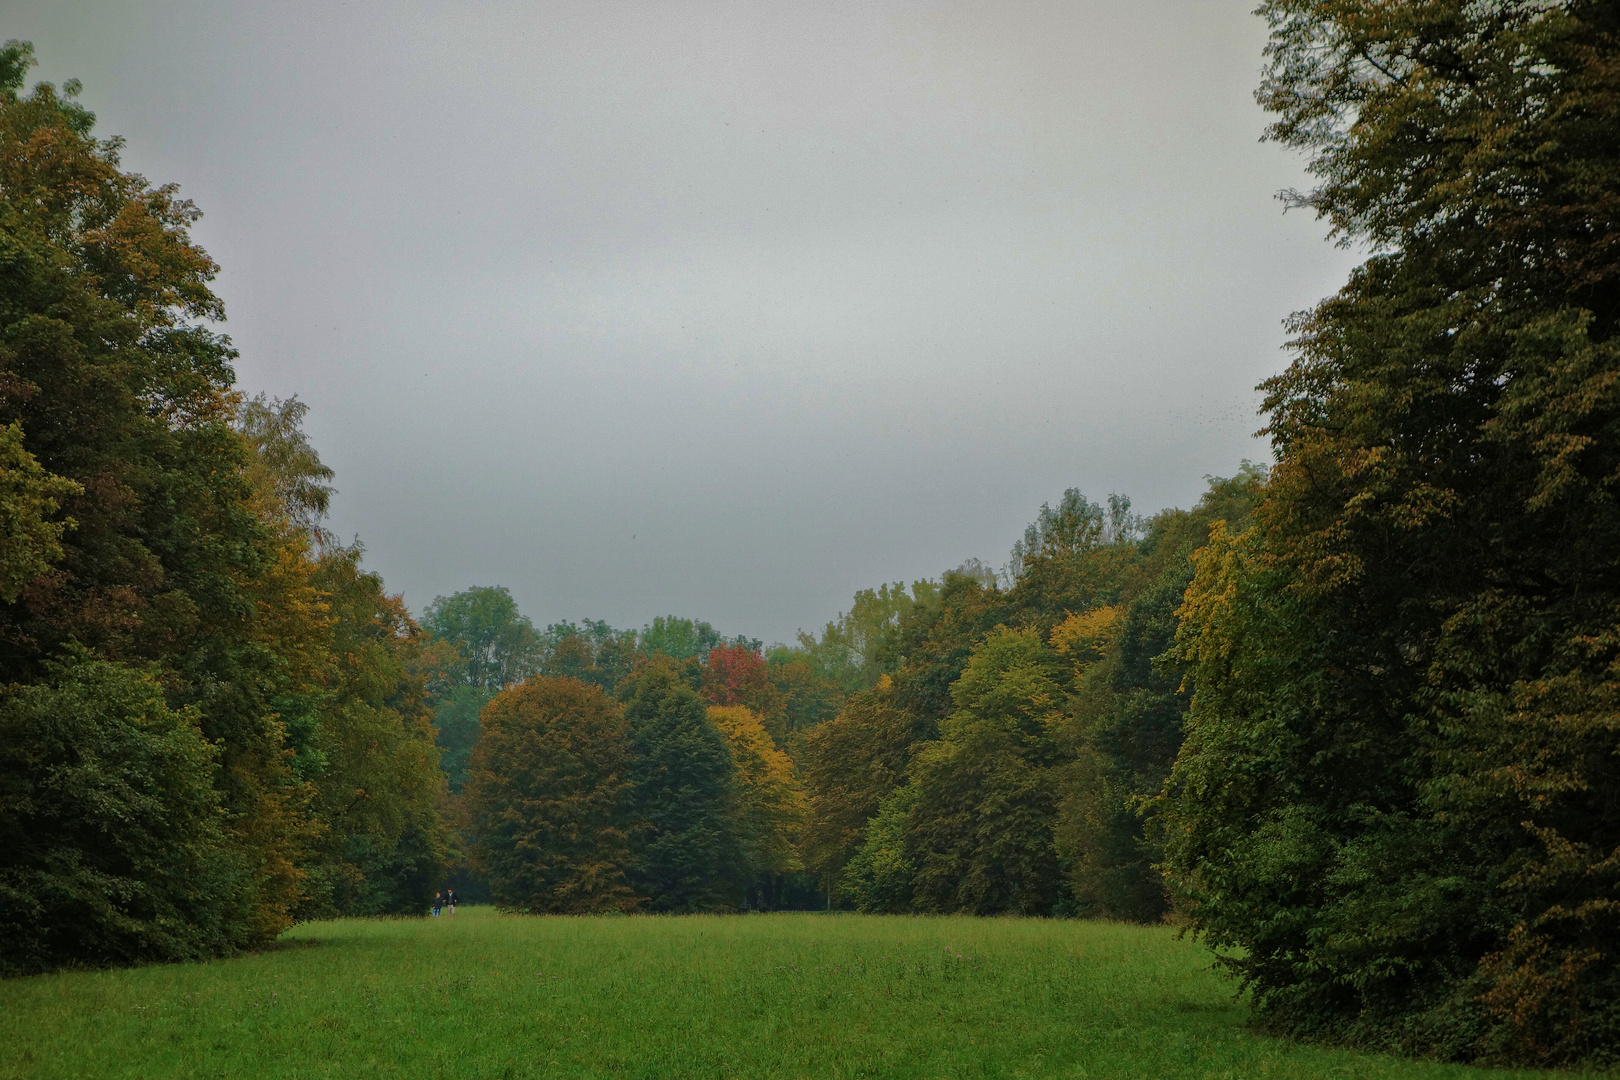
(484, 996)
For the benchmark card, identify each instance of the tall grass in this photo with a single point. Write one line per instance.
(486, 996)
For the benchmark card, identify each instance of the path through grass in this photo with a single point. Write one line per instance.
(486, 996)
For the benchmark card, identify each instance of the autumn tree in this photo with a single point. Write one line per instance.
(735, 675)
(114, 381)
(769, 803)
(353, 700)
(548, 799)
(1396, 795)
(851, 764)
(497, 647)
(1125, 715)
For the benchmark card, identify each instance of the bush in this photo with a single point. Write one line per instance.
(111, 834)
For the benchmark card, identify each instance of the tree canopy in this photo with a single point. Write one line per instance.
(1396, 791)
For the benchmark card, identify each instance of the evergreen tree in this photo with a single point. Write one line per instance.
(685, 848)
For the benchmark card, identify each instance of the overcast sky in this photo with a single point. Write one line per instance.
(722, 309)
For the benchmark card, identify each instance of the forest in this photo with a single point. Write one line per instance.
(1353, 718)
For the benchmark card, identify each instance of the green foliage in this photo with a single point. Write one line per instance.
(932, 643)
(880, 876)
(979, 833)
(591, 652)
(110, 372)
(383, 847)
(1126, 714)
(492, 646)
(112, 844)
(851, 764)
(548, 798)
(456, 716)
(284, 466)
(856, 649)
(30, 541)
(354, 707)
(809, 699)
(1396, 791)
(680, 639)
(1072, 559)
(685, 847)
(498, 645)
(1004, 813)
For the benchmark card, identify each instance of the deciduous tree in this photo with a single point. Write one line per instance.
(979, 833)
(111, 372)
(770, 805)
(1396, 796)
(548, 799)
(851, 764)
(112, 844)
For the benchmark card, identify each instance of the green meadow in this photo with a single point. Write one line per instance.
(491, 996)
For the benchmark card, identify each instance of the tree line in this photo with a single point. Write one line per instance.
(968, 744)
(1351, 717)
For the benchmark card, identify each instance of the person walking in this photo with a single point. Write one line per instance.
(436, 899)
(450, 898)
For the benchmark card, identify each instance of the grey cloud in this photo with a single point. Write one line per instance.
(726, 309)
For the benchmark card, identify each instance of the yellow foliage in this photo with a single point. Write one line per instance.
(770, 800)
(1085, 636)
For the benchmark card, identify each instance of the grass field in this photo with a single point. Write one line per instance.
(487, 996)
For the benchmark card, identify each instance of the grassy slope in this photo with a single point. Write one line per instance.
(780, 995)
